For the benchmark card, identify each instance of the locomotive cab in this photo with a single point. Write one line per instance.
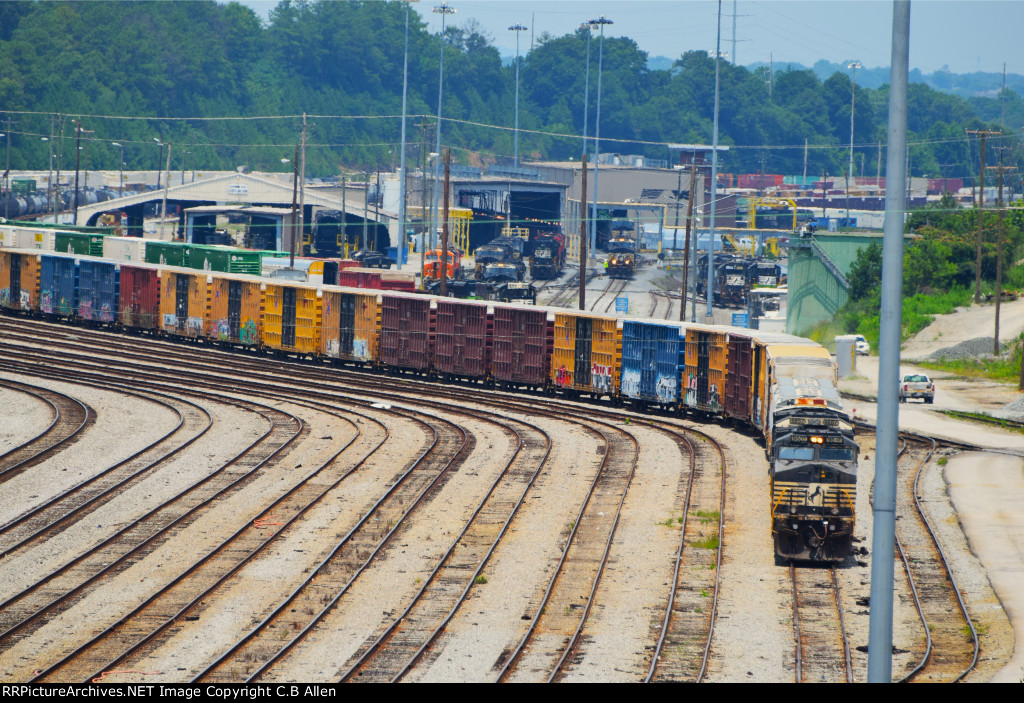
(814, 486)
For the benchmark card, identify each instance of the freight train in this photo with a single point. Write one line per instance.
(782, 386)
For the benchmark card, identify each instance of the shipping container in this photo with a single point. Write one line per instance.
(234, 309)
(523, 342)
(168, 253)
(653, 356)
(98, 289)
(291, 317)
(585, 358)
(183, 300)
(226, 259)
(19, 280)
(406, 331)
(132, 249)
(58, 283)
(29, 238)
(348, 330)
(462, 340)
(706, 355)
(140, 297)
(79, 243)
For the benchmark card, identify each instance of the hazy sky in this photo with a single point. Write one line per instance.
(966, 35)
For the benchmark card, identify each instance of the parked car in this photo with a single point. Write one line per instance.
(916, 385)
(861, 346)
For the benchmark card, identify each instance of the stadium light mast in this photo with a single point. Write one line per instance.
(599, 22)
(517, 28)
(444, 9)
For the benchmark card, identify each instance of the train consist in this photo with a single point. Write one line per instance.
(782, 386)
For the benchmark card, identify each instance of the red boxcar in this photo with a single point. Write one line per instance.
(462, 342)
(523, 342)
(139, 304)
(739, 368)
(406, 331)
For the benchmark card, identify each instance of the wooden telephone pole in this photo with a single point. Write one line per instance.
(981, 206)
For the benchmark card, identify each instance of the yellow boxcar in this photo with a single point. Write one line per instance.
(234, 309)
(349, 324)
(707, 351)
(184, 296)
(19, 280)
(587, 353)
(760, 381)
(291, 317)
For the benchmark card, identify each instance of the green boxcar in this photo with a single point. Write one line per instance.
(226, 259)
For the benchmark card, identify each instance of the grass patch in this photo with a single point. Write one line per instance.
(481, 579)
(1005, 369)
(707, 516)
(984, 420)
(710, 542)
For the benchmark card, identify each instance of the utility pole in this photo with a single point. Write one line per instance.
(981, 207)
(167, 185)
(583, 233)
(444, 230)
(686, 250)
(302, 184)
(7, 172)
(78, 153)
(295, 203)
(999, 248)
(344, 213)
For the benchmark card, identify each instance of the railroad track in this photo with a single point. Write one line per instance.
(70, 419)
(45, 519)
(306, 377)
(822, 648)
(684, 644)
(951, 648)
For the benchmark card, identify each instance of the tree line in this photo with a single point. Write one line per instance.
(215, 80)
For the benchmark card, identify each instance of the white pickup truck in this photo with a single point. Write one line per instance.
(916, 385)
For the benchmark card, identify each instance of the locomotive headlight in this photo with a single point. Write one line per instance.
(817, 440)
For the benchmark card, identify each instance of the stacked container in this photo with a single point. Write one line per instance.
(58, 284)
(585, 357)
(79, 243)
(131, 249)
(462, 342)
(653, 356)
(348, 329)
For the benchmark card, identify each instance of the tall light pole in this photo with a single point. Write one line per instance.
(401, 168)
(444, 10)
(853, 65)
(160, 159)
(600, 22)
(714, 169)
(120, 188)
(517, 28)
(586, 88)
